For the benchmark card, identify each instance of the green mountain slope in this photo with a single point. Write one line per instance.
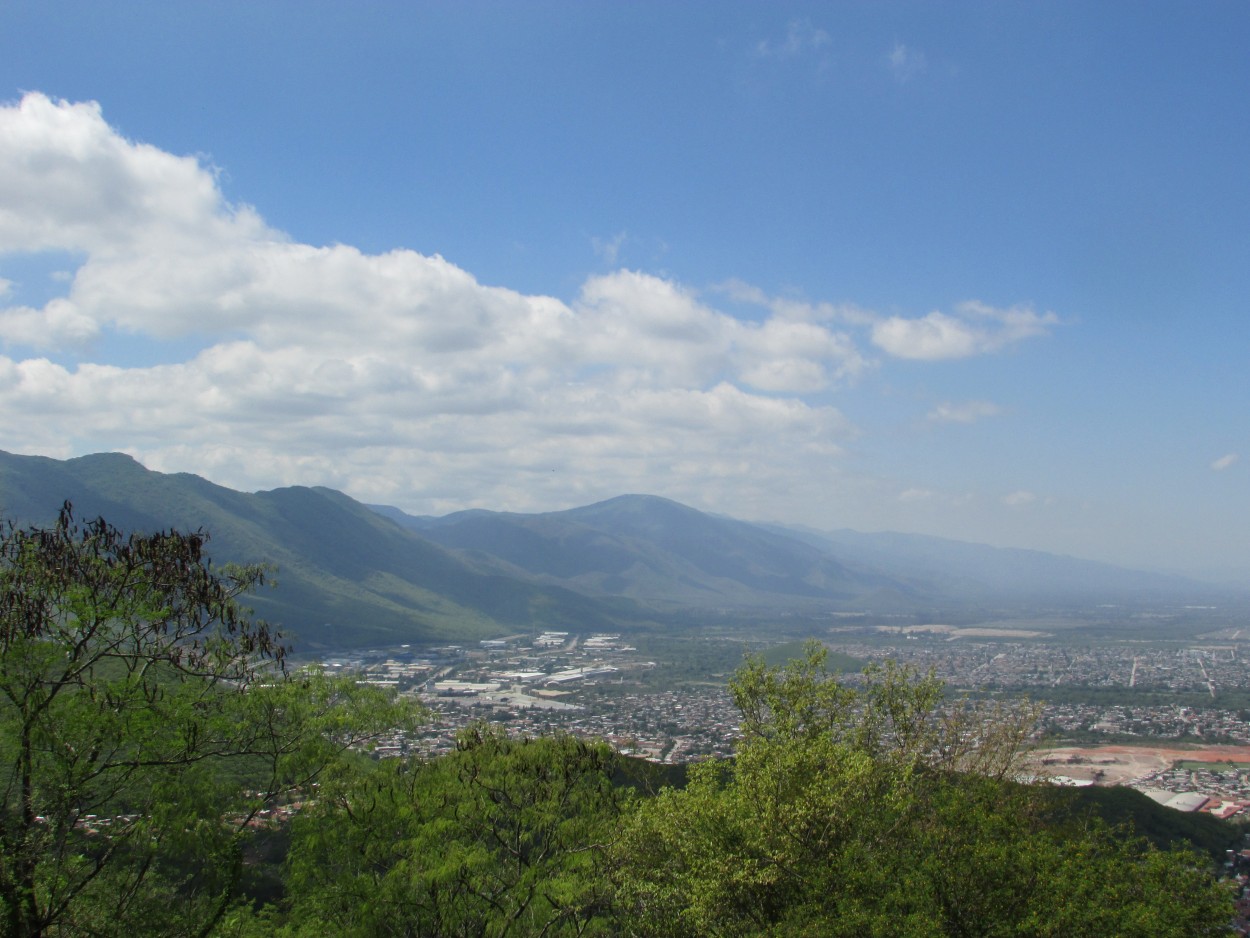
(346, 576)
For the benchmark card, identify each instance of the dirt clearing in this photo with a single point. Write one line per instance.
(1118, 765)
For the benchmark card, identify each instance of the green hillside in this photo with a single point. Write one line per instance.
(345, 575)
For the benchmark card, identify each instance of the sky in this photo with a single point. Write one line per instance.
(977, 270)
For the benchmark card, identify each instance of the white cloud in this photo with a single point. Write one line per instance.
(1224, 462)
(935, 336)
(397, 376)
(790, 308)
(976, 329)
(59, 324)
(966, 412)
(393, 375)
(69, 182)
(663, 333)
(741, 292)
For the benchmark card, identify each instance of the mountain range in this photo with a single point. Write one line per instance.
(349, 574)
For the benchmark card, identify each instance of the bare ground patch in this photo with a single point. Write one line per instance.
(1117, 765)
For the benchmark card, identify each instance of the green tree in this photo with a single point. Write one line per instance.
(146, 724)
(882, 809)
(502, 837)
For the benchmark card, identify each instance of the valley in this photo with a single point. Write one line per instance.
(1110, 713)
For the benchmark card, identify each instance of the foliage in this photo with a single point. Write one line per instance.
(893, 715)
(501, 837)
(145, 724)
(883, 810)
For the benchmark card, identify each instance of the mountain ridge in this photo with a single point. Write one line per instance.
(350, 573)
(346, 575)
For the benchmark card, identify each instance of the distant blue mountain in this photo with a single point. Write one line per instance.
(658, 551)
(978, 572)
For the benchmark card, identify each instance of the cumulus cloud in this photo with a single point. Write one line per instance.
(69, 182)
(966, 412)
(396, 375)
(741, 292)
(975, 329)
(1224, 462)
(793, 309)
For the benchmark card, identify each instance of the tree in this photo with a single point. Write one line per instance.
(894, 713)
(145, 724)
(883, 809)
(501, 837)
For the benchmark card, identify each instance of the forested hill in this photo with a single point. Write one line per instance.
(345, 575)
(351, 575)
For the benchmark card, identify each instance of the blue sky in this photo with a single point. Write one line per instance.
(977, 270)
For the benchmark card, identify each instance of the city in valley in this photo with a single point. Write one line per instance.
(1170, 717)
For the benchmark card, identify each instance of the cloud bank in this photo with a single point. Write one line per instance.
(257, 360)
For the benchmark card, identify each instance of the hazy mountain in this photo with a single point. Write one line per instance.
(978, 572)
(659, 552)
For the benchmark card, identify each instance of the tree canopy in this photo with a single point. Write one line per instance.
(501, 837)
(883, 809)
(146, 723)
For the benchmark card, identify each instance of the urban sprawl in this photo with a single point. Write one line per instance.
(601, 686)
